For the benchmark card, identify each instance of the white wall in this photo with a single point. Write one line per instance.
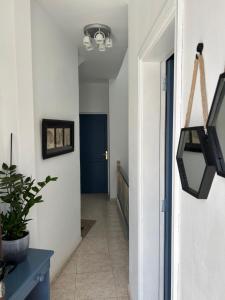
(16, 92)
(8, 84)
(202, 234)
(118, 123)
(55, 74)
(56, 223)
(94, 97)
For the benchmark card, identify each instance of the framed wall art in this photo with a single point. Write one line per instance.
(57, 137)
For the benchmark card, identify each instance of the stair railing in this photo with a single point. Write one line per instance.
(123, 192)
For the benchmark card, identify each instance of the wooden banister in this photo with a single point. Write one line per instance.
(123, 192)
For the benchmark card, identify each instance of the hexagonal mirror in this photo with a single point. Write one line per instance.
(195, 162)
(216, 125)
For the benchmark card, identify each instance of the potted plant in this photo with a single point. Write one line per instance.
(18, 195)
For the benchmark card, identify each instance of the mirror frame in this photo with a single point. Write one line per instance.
(211, 125)
(210, 169)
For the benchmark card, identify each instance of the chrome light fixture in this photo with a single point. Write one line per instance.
(97, 36)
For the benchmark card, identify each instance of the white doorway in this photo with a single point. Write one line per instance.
(159, 45)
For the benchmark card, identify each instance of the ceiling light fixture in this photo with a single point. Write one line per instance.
(97, 36)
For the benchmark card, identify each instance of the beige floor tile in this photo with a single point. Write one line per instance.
(70, 268)
(101, 261)
(113, 221)
(95, 285)
(121, 276)
(115, 235)
(111, 298)
(93, 245)
(74, 256)
(65, 282)
(98, 230)
(119, 258)
(91, 263)
(98, 234)
(118, 268)
(113, 218)
(114, 229)
(118, 244)
(62, 295)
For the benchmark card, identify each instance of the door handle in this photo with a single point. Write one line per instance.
(106, 155)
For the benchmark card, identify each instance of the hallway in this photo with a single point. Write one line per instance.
(98, 269)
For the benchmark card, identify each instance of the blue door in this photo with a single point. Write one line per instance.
(168, 176)
(93, 153)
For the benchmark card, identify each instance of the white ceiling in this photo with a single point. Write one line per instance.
(73, 15)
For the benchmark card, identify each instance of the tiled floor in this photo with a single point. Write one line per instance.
(98, 269)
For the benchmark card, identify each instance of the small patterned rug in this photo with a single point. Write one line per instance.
(86, 226)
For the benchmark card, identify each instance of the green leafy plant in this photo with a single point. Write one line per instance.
(19, 193)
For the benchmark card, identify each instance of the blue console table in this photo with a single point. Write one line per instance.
(30, 279)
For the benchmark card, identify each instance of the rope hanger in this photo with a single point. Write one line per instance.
(198, 63)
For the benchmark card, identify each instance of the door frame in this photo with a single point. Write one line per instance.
(155, 49)
(108, 139)
(162, 162)
(167, 122)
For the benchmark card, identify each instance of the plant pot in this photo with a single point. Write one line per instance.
(15, 251)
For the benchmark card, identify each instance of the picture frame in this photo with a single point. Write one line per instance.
(57, 137)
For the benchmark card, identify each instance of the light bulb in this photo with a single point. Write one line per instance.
(101, 47)
(86, 41)
(89, 48)
(108, 42)
(99, 38)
